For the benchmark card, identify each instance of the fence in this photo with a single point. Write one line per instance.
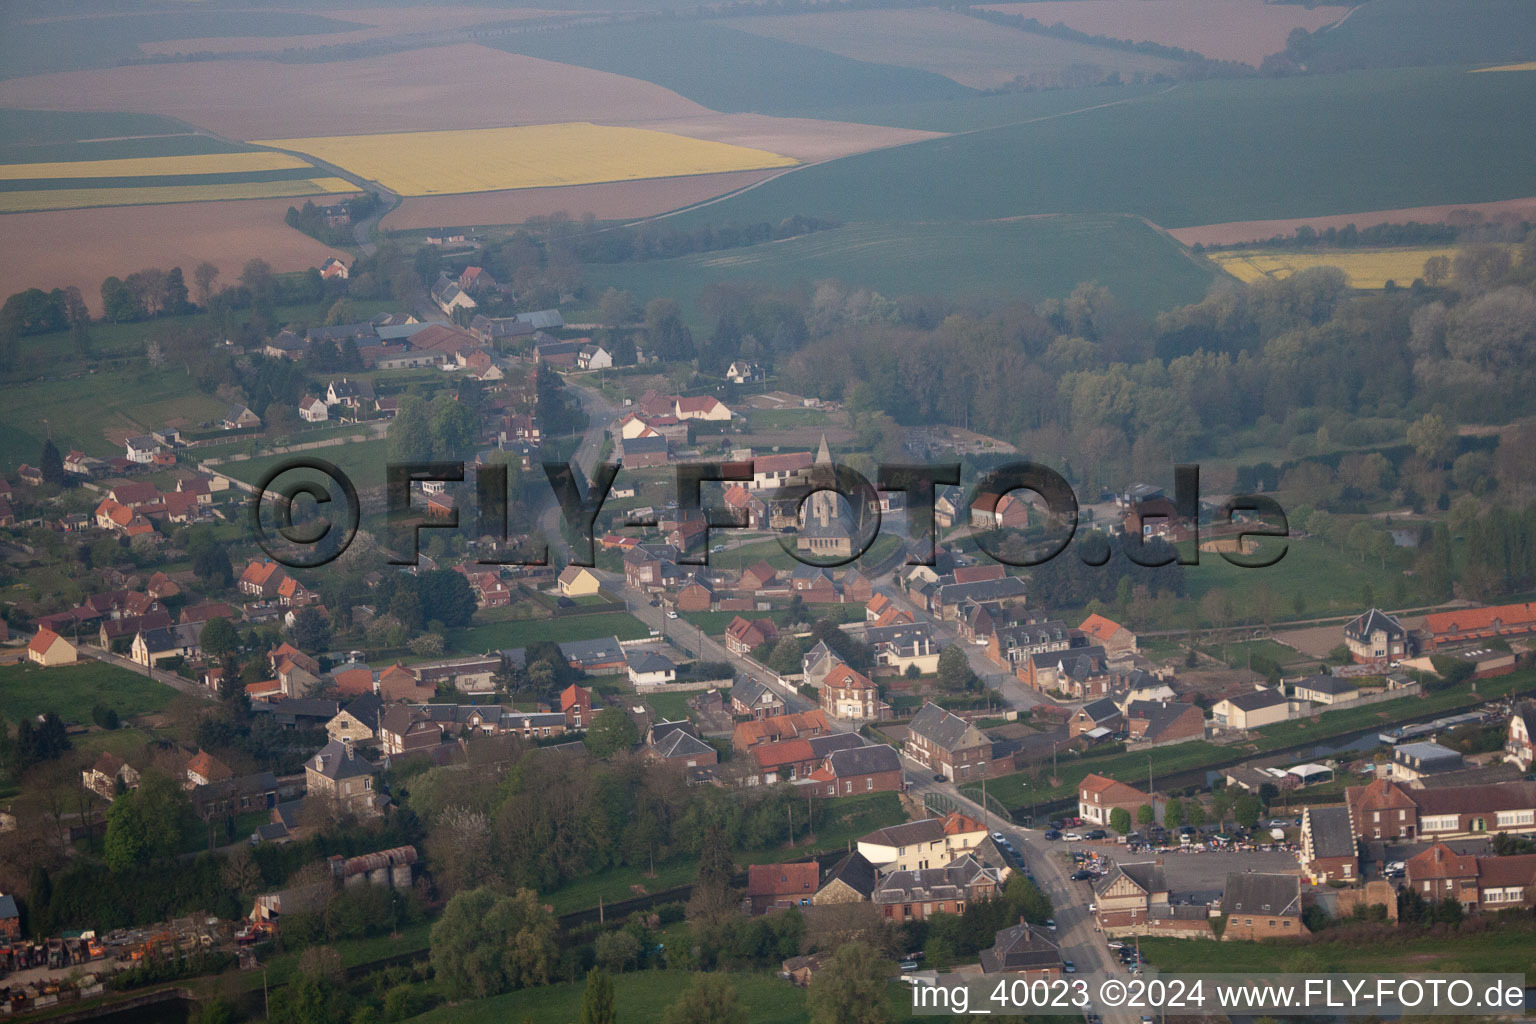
(943, 803)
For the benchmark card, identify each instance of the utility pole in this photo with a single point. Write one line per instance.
(1149, 776)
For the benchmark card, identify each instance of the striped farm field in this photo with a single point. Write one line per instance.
(81, 198)
(1529, 65)
(1366, 268)
(154, 166)
(533, 156)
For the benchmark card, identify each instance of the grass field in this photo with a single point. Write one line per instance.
(972, 52)
(150, 166)
(1204, 153)
(732, 71)
(534, 156)
(363, 461)
(1366, 268)
(83, 198)
(72, 690)
(38, 136)
(1032, 258)
(1494, 950)
(491, 636)
(1423, 32)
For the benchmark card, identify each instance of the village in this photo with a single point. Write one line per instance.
(872, 674)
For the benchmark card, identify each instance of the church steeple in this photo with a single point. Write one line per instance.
(823, 453)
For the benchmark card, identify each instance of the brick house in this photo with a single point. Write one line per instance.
(742, 635)
(776, 886)
(1116, 640)
(916, 894)
(948, 745)
(1126, 896)
(1328, 850)
(1097, 796)
(870, 769)
(1376, 638)
(1163, 721)
(1262, 906)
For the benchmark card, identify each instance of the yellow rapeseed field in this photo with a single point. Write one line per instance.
(79, 198)
(152, 166)
(533, 156)
(1529, 65)
(1366, 268)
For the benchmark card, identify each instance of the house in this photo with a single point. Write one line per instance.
(103, 777)
(142, 449)
(649, 668)
(1388, 810)
(1324, 690)
(239, 417)
(337, 773)
(1470, 625)
(1158, 517)
(1251, 710)
(313, 410)
(742, 636)
(204, 769)
(398, 683)
(358, 720)
(476, 280)
(644, 452)
(912, 895)
(601, 657)
(353, 679)
(850, 695)
(449, 296)
(706, 408)
(1163, 721)
(1328, 851)
(1127, 895)
(576, 581)
(152, 646)
(742, 371)
(1519, 745)
(48, 649)
(679, 743)
(781, 471)
(351, 394)
(576, 706)
(1025, 950)
(1098, 796)
(1260, 906)
(776, 886)
(850, 880)
(1116, 640)
(947, 744)
(926, 843)
(403, 730)
(1377, 638)
(778, 728)
(333, 269)
(756, 699)
(261, 579)
(875, 768)
(794, 759)
(1103, 714)
(10, 918)
(901, 645)
(1413, 761)
(1080, 673)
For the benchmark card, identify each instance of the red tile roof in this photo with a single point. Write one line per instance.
(783, 879)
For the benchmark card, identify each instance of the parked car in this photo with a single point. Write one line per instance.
(999, 838)
(1050, 923)
(1072, 837)
(908, 966)
(1097, 833)
(1068, 967)
(1083, 876)
(671, 614)
(1052, 835)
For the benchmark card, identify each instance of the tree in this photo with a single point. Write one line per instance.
(612, 730)
(617, 951)
(597, 998)
(1120, 820)
(955, 674)
(1195, 814)
(1247, 809)
(617, 309)
(51, 463)
(210, 562)
(311, 631)
(850, 987)
(220, 638)
(485, 943)
(1173, 813)
(1145, 815)
(786, 655)
(711, 999)
(203, 276)
(666, 335)
(1432, 438)
(146, 823)
(459, 847)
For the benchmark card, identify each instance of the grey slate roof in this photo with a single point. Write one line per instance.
(1103, 709)
(649, 661)
(593, 652)
(982, 590)
(8, 908)
(749, 691)
(365, 709)
(1021, 948)
(1331, 833)
(864, 760)
(1362, 626)
(1324, 684)
(336, 761)
(1258, 699)
(681, 743)
(1158, 714)
(1147, 875)
(952, 882)
(1259, 893)
(855, 872)
(947, 731)
(823, 746)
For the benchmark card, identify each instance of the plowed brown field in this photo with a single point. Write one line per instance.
(1237, 232)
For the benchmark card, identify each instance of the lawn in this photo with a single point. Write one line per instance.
(362, 461)
(730, 70)
(1501, 949)
(1024, 259)
(673, 707)
(1203, 153)
(1238, 655)
(853, 816)
(72, 690)
(491, 636)
(786, 419)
